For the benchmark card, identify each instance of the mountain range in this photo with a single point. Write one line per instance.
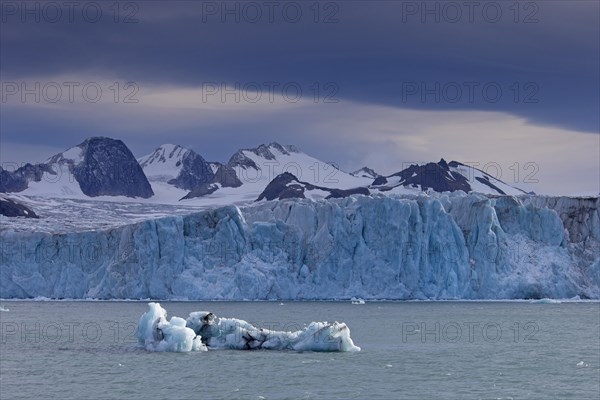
(105, 168)
(95, 222)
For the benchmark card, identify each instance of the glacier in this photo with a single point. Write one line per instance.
(437, 246)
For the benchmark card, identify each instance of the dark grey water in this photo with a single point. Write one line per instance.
(427, 350)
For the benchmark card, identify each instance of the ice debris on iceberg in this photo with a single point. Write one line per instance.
(203, 330)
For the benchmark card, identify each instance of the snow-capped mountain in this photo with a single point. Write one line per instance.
(443, 177)
(98, 166)
(177, 173)
(249, 172)
(365, 172)
(430, 177)
(177, 166)
(265, 162)
(172, 173)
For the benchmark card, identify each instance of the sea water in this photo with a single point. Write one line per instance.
(409, 350)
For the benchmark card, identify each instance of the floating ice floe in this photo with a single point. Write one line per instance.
(2, 309)
(546, 301)
(203, 330)
(357, 300)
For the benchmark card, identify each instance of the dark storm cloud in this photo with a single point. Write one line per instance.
(544, 59)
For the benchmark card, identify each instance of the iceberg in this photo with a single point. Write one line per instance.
(440, 246)
(155, 333)
(204, 330)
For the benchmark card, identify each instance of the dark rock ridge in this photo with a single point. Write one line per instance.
(109, 168)
(287, 186)
(18, 180)
(12, 208)
(225, 176)
(195, 171)
(436, 176)
(365, 172)
(12, 181)
(239, 159)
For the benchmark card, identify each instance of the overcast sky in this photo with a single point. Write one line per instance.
(511, 87)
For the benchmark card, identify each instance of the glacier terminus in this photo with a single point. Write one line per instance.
(435, 246)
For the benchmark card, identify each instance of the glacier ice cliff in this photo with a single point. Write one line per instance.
(444, 246)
